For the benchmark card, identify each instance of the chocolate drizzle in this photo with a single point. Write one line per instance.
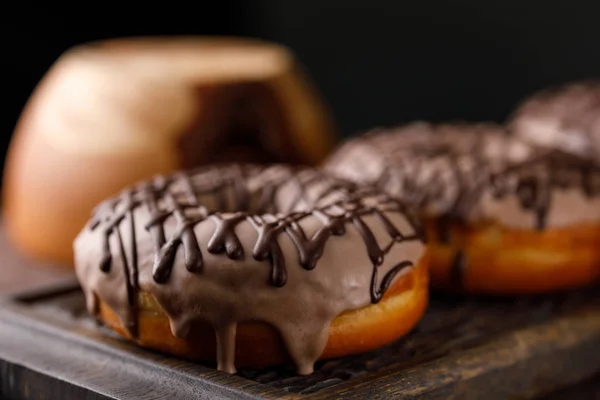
(565, 117)
(225, 240)
(534, 181)
(443, 171)
(430, 167)
(285, 199)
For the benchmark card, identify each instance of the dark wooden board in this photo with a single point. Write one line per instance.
(464, 348)
(18, 273)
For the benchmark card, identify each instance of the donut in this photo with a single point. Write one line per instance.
(534, 227)
(428, 165)
(503, 217)
(113, 112)
(254, 265)
(564, 117)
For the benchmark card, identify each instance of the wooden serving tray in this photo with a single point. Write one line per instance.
(464, 348)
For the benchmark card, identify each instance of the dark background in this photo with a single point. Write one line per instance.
(376, 62)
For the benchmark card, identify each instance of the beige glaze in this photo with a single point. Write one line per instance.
(429, 166)
(560, 189)
(565, 117)
(569, 207)
(227, 291)
(448, 170)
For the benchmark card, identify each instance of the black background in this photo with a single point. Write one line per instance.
(376, 62)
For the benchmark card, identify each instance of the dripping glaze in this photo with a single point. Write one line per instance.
(345, 207)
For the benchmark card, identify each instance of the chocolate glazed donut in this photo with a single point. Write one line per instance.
(535, 183)
(434, 168)
(235, 243)
(564, 117)
(505, 217)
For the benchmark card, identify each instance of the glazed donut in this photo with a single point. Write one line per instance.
(110, 113)
(503, 217)
(254, 266)
(564, 117)
(427, 165)
(533, 227)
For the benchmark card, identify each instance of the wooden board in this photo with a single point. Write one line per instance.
(464, 348)
(18, 273)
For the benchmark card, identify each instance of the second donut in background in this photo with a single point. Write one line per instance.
(504, 217)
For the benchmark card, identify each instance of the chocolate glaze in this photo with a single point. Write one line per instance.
(536, 181)
(431, 167)
(565, 117)
(460, 173)
(257, 218)
(428, 166)
(535, 184)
